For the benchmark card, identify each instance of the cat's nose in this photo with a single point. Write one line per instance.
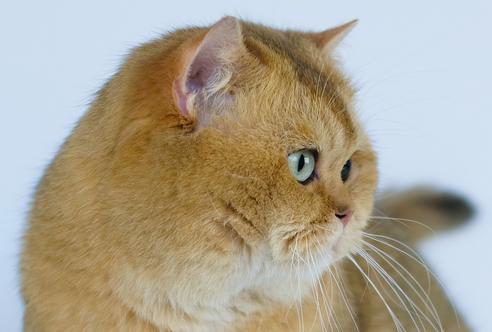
(344, 216)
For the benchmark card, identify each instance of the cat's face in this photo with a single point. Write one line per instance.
(299, 177)
(297, 172)
(295, 168)
(271, 168)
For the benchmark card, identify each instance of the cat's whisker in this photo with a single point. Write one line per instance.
(425, 298)
(396, 321)
(315, 293)
(378, 237)
(397, 290)
(337, 324)
(325, 228)
(298, 310)
(342, 294)
(417, 258)
(413, 255)
(313, 277)
(341, 288)
(332, 315)
(326, 306)
(291, 281)
(436, 323)
(299, 294)
(379, 267)
(403, 221)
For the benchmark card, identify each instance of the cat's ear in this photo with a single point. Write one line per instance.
(328, 39)
(201, 85)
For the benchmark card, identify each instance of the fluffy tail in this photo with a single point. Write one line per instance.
(415, 214)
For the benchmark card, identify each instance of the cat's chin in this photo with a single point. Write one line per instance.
(346, 245)
(342, 245)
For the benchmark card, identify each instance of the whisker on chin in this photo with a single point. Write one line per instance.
(300, 312)
(402, 248)
(425, 299)
(394, 287)
(420, 317)
(319, 314)
(417, 258)
(327, 307)
(344, 295)
(398, 291)
(396, 321)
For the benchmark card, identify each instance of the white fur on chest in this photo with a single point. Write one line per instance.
(215, 299)
(257, 284)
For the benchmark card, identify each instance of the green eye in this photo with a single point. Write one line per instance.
(302, 164)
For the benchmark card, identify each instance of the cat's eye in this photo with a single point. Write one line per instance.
(302, 165)
(346, 170)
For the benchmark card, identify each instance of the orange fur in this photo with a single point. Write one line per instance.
(154, 219)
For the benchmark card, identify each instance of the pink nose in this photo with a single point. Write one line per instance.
(344, 216)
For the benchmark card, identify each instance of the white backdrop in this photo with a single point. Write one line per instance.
(423, 68)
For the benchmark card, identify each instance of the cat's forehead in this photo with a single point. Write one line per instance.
(311, 89)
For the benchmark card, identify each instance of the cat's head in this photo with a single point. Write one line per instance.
(242, 154)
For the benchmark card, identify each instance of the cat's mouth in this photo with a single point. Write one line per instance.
(337, 242)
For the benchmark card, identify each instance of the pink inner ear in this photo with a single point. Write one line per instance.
(180, 98)
(202, 69)
(205, 71)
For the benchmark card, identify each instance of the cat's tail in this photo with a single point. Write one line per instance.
(417, 213)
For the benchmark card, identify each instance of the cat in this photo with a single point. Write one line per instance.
(221, 181)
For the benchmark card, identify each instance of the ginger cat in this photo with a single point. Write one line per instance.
(222, 182)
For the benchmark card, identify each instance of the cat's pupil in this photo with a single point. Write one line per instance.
(301, 163)
(346, 170)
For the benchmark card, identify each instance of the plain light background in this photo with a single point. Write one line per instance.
(423, 69)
